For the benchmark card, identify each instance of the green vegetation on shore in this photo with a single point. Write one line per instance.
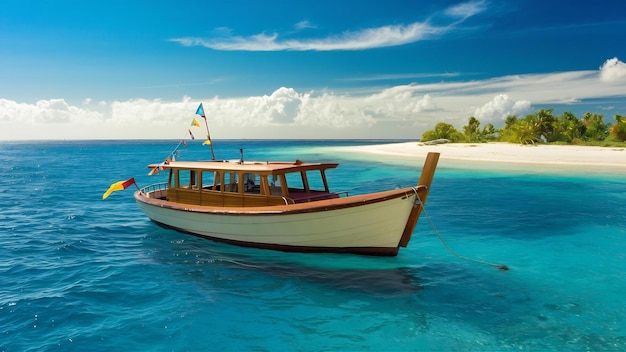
(540, 127)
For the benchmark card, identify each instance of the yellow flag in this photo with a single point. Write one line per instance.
(118, 186)
(195, 122)
(207, 142)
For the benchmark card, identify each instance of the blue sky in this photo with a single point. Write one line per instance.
(301, 69)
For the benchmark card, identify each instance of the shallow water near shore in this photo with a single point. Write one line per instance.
(79, 273)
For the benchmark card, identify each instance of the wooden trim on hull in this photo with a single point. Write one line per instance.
(319, 206)
(373, 251)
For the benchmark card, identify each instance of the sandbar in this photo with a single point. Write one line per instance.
(505, 155)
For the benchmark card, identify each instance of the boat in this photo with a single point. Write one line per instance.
(286, 206)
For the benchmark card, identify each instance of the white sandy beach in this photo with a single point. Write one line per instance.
(506, 154)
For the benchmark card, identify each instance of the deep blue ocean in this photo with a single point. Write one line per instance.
(78, 273)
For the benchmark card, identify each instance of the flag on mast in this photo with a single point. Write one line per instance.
(195, 123)
(200, 111)
(118, 186)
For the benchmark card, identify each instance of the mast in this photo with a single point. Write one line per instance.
(208, 136)
(200, 111)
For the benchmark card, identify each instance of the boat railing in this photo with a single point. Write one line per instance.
(296, 197)
(288, 201)
(159, 190)
(155, 190)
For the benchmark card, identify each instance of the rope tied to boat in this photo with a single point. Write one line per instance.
(417, 197)
(501, 267)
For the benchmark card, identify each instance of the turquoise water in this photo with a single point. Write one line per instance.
(78, 273)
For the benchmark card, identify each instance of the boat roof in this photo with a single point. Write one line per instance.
(247, 166)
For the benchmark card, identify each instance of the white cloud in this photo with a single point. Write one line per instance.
(304, 25)
(548, 88)
(402, 111)
(287, 107)
(403, 76)
(368, 38)
(466, 10)
(613, 70)
(333, 111)
(500, 107)
(400, 102)
(143, 112)
(53, 111)
(281, 107)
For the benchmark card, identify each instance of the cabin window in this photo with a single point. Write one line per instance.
(231, 182)
(316, 181)
(251, 183)
(170, 180)
(210, 180)
(187, 179)
(275, 185)
(193, 179)
(294, 180)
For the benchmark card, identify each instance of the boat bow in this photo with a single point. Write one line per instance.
(422, 190)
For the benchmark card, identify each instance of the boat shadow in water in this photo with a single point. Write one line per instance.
(387, 283)
(376, 276)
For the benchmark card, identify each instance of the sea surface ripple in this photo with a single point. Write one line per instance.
(79, 273)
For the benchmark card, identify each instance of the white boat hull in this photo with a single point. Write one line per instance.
(368, 224)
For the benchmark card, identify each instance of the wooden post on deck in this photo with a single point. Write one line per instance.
(426, 178)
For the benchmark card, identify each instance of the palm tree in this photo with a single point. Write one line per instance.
(506, 133)
(618, 130)
(442, 130)
(488, 133)
(471, 130)
(545, 124)
(596, 128)
(569, 128)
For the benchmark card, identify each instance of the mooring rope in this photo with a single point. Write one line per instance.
(499, 266)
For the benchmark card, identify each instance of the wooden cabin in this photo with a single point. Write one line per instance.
(247, 184)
